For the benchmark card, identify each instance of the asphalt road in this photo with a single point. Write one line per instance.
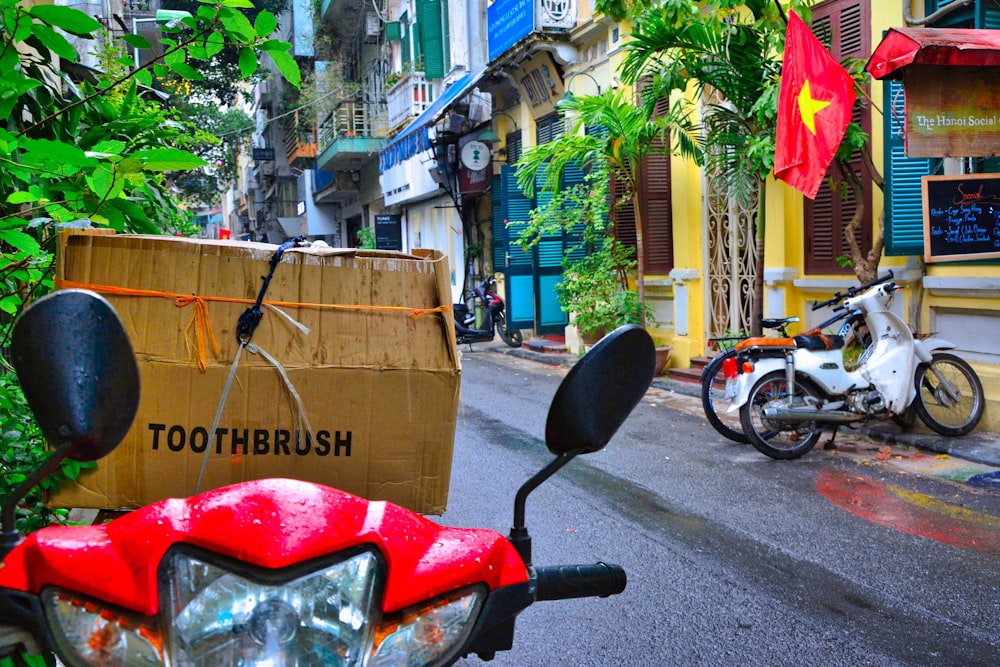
(849, 556)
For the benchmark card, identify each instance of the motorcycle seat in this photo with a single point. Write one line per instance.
(815, 340)
(766, 342)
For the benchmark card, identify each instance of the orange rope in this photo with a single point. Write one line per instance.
(200, 319)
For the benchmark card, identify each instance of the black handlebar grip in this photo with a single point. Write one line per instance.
(562, 582)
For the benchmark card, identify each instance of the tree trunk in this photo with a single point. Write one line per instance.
(757, 298)
(640, 273)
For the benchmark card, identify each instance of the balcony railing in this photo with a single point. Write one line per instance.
(408, 98)
(300, 137)
(349, 119)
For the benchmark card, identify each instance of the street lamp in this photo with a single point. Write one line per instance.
(170, 18)
(568, 94)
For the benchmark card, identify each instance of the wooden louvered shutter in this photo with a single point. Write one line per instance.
(622, 213)
(842, 26)
(656, 204)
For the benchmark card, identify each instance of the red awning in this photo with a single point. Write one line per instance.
(962, 47)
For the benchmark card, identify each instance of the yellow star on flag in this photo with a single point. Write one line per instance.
(809, 107)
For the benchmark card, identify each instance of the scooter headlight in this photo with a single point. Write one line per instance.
(212, 615)
(217, 617)
(89, 632)
(429, 634)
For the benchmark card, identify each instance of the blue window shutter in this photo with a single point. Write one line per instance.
(499, 247)
(904, 219)
(516, 214)
(573, 241)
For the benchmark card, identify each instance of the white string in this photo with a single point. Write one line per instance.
(302, 418)
(218, 416)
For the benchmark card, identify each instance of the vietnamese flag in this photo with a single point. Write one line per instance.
(814, 108)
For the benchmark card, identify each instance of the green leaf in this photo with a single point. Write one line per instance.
(241, 4)
(20, 198)
(265, 24)
(102, 182)
(145, 77)
(169, 159)
(54, 42)
(20, 240)
(275, 45)
(186, 71)
(288, 68)
(71, 20)
(214, 43)
(248, 62)
(137, 41)
(173, 57)
(42, 151)
(237, 25)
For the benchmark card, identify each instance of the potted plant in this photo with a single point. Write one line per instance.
(594, 288)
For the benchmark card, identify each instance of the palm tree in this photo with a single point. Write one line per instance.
(629, 133)
(733, 64)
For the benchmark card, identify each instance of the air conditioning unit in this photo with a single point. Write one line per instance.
(480, 106)
(373, 27)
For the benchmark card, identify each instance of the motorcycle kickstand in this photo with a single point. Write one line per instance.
(833, 436)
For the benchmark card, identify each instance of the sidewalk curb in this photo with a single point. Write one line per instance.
(978, 447)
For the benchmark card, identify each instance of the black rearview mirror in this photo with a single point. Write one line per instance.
(78, 371)
(600, 391)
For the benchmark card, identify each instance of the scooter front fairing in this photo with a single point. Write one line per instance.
(271, 569)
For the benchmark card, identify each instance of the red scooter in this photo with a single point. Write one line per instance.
(276, 571)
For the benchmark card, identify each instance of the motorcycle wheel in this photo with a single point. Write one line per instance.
(953, 403)
(511, 337)
(714, 401)
(779, 440)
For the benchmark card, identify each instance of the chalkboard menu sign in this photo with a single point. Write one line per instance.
(961, 217)
(388, 232)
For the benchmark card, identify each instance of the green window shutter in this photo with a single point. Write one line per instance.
(431, 37)
(446, 40)
(904, 217)
(392, 31)
(405, 40)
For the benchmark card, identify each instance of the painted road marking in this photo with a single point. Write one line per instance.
(910, 512)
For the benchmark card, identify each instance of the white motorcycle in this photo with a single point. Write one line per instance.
(789, 390)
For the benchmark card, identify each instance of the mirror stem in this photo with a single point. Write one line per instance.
(10, 537)
(519, 533)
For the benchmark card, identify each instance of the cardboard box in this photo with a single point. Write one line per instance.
(378, 384)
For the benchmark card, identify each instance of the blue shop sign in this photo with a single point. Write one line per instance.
(507, 22)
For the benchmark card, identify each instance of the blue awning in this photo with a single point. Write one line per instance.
(414, 138)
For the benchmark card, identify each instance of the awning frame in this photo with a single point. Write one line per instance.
(414, 138)
(960, 47)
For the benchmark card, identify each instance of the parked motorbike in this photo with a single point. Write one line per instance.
(275, 571)
(789, 390)
(494, 317)
(717, 390)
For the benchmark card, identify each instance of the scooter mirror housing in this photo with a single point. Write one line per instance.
(78, 372)
(600, 391)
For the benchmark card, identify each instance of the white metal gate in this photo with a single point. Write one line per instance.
(731, 247)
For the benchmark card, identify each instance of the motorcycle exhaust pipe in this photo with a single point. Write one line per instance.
(809, 415)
